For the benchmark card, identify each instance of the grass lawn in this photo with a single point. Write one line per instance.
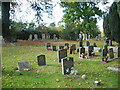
(50, 76)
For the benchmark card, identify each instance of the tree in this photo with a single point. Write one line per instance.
(111, 23)
(84, 13)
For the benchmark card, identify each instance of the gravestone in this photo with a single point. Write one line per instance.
(66, 46)
(62, 53)
(80, 36)
(48, 46)
(72, 49)
(87, 43)
(67, 65)
(23, 65)
(107, 41)
(111, 53)
(90, 51)
(110, 42)
(104, 55)
(80, 43)
(88, 37)
(82, 50)
(35, 38)
(95, 45)
(54, 48)
(2, 41)
(43, 36)
(30, 37)
(106, 47)
(118, 52)
(41, 60)
(61, 47)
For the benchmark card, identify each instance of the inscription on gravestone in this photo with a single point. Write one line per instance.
(23, 65)
(67, 65)
(62, 54)
(41, 60)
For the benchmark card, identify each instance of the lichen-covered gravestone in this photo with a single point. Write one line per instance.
(62, 54)
(111, 53)
(41, 60)
(23, 65)
(67, 65)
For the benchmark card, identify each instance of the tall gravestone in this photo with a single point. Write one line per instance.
(35, 38)
(111, 53)
(41, 60)
(104, 55)
(110, 42)
(48, 46)
(67, 65)
(80, 43)
(62, 53)
(43, 36)
(30, 37)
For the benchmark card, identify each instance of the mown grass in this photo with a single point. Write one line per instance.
(50, 76)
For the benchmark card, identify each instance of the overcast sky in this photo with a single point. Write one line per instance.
(57, 14)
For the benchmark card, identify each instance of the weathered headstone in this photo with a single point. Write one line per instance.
(87, 43)
(54, 48)
(35, 38)
(23, 65)
(67, 65)
(41, 60)
(111, 53)
(30, 37)
(48, 46)
(66, 46)
(62, 53)
(43, 36)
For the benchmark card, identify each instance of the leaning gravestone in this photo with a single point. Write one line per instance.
(23, 65)
(30, 37)
(66, 46)
(54, 48)
(111, 53)
(41, 60)
(67, 65)
(48, 46)
(62, 53)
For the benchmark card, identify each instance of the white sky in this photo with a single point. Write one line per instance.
(57, 12)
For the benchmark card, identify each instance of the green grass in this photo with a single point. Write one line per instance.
(50, 76)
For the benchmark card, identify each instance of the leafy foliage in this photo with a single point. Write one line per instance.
(112, 22)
